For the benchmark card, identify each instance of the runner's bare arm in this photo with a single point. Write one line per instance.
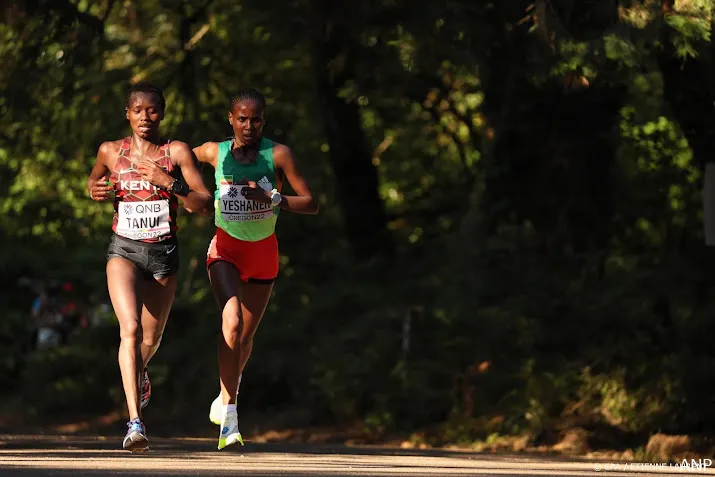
(207, 153)
(199, 198)
(97, 182)
(302, 202)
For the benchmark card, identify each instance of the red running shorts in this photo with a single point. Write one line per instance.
(256, 262)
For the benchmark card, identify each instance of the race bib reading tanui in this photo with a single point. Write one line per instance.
(235, 207)
(143, 220)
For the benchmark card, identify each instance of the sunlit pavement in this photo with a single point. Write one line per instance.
(80, 456)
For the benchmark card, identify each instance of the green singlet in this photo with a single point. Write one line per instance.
(238, 216)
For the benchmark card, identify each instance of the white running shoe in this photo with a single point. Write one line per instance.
(229, 431)
(135, 440)
(216, 412)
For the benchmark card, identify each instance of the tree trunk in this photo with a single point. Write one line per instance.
(357, 183)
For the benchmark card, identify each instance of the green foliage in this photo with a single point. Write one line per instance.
(693, 22)
(542, 194)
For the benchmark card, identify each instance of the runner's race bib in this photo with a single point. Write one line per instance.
(143, 220)
(235, 207)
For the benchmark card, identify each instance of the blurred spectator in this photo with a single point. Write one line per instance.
(46, 318)
(58, 314)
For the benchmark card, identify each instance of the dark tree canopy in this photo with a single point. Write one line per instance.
(520, 181)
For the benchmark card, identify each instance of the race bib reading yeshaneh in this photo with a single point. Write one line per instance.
(235, 207)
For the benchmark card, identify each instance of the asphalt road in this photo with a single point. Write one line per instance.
(47, 456)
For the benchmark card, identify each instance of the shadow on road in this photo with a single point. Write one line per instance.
(60, 456)
(166, 447)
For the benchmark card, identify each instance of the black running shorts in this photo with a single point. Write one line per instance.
(154, 260)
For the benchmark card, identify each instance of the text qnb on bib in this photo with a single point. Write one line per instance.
(143, 220)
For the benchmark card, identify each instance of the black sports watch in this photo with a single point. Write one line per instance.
(179, 188)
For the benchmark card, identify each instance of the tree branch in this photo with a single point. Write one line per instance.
(110, 5)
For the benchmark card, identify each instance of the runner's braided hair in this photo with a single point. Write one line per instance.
(147, 88)
(248, 94)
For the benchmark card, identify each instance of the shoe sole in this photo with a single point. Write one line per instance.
(230, 440)
(140, 444)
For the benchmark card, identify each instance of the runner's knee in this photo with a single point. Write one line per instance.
(231, 315)
(151, 340)
(130, 331)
